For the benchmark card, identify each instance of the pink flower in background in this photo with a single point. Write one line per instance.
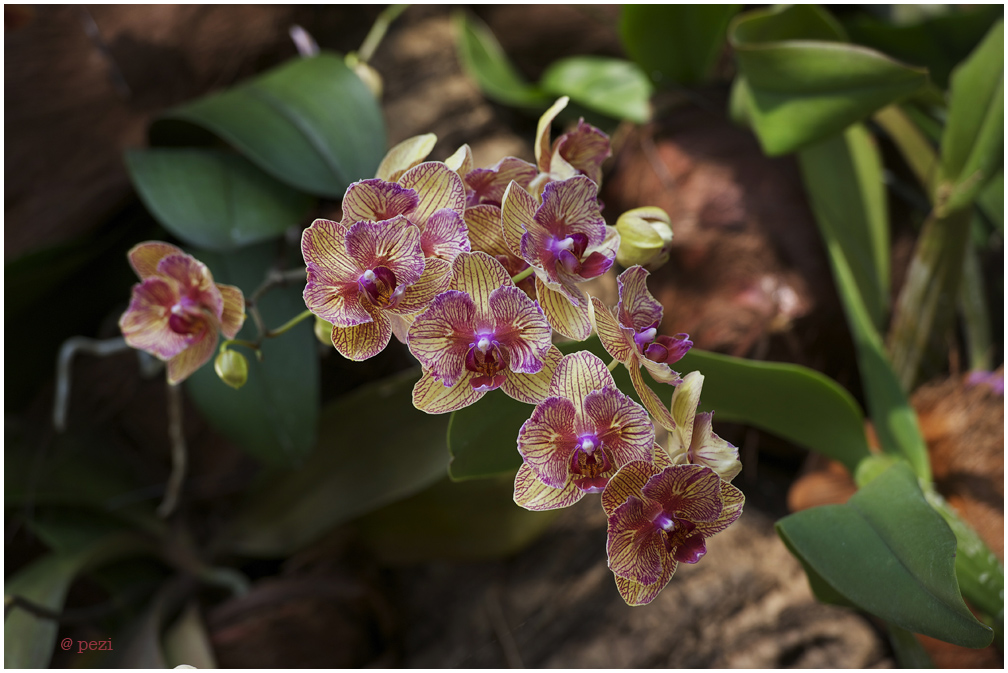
(177, 310)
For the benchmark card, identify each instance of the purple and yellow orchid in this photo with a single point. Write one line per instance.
(482, 333)
(579, 436)
(631, 337)
(578, 152)
(565, 241)
(361, 276)
(176, 310)
(660, 517)
(691, 440)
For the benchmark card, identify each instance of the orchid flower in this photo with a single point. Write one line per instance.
(482, 333)
(565, 241)
(176, 310)
(631, 337)
(691, 440)
(660, 517)
(578, 152)
(579, 436)
(359, 277)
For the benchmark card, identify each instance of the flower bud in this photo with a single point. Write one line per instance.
(232, 368)
(645, 237)
(323, 331)
(372, 80)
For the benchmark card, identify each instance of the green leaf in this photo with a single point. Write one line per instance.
(908, 650)
(469, 521)
(677, 44)
(790, 401)
(29, 641)
(804, 83)
(484, 60)
(611, 86)
(274, 416)
(936, 43)
(972, 144)
(310, 123)
(843, 179)
(374, 448)
(890, 554)
(991, 201)
(213, 199)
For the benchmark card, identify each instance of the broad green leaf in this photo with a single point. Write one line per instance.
(937, 43)
(310, 123)
(29, 641)
(889, 553)
(805, 84)
(374, 448)
(612, 86)
(675, 44)
(972, 145)
(843, 179)
(484, 60)
(274, 416)
(908, 650)
(474, 520)
(991, 201)
(790, 401)
(213, 199)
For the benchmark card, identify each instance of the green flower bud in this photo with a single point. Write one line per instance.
(232, 368)
(372, 80)
(323, 331)
(645, 237)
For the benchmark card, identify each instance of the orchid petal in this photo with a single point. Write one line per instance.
(638, 309)
(194, 281)
(445, 235)
(533, 494)
(485, 234)
(685, 400)
(621, 424)
(617, 340)
(435, 279)
(660, 371)
(433, 397)
(571, 207)
(532, 388)
(324, 245)
(733, 500)
(577, 375)
(688, 492)
(585, 148)
(706, 448)
(197, 354)
(437, 187)
(518, 210)
(387, 244)
(478, 274)
(233, 316)
(635, 593)
(461, 161)
(542, 140)
(521, 328)
(363, 341)
(377, 200)
(488, 184)
(626, 483)
(144, 257)
(400, 325)
(144, 325)
(547, 439)
(574, 322)
(634, 545)
(339, 305)
(404, 156)
(440, 336)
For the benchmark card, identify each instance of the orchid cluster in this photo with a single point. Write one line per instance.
(474, 269)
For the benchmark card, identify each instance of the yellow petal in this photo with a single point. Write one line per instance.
(574, 322)
(434, 397)
(233, 316)
(404, 156)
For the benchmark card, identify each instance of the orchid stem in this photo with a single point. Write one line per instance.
(378, 30)
(612, 365)
(288, 325)
(178, 452)
(68, 350)
(522, 276)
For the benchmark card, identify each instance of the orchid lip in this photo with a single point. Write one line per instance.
(664, 521)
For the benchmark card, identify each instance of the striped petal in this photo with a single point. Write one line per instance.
(487, 185)
(437, 186)
(577, 375)
(233, 316)
(688, 492)
(461, 161)
(445, 235)
(197, 354)
(634, 544)
(440, 336)
(485, 233)
(521, 328)
(363, 341)
(478, 274)
(707, 449)
(144, 257)
(635, 593)
(616, 339)
(733, 501)
(542, 139)
(574, 322)
(194, 281)
(648, 398)
(571, 207)
(377, 200)
(547, 439)
(389, 243)
(627, 482)
(585, 148)
(433, 397)
(637, 309)
(435, 279)
(144, 325)
(532, 388)
(685, 400)
(400, 326)
(621, 424)
(404, 156)
(339, 304)
(533, 494)
(323, 245)
(661, 371)
(518, 210)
